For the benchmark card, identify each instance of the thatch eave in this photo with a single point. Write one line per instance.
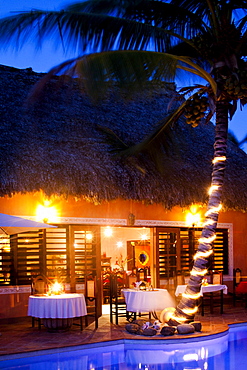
(54, 146)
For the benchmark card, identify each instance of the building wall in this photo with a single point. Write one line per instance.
(118, 212)
(14, 301)
(239, 221)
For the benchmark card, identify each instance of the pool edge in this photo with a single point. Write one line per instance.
(143, 340)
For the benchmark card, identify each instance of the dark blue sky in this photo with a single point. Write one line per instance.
(46, 58)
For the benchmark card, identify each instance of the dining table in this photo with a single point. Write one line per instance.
(209, 288)
(57, 311)
(143, 301)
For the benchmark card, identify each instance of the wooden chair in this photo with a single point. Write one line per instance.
(117, 301)
(213, 299)
(91, 301)
(179, 279)
(39, 284)
(106, 286)
(239, 287)
(131, 279)
(216, 277)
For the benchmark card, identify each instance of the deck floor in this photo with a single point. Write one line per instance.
(18, 336)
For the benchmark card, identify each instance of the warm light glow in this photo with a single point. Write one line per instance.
(166, 314)
(89, 236)
(219, 159)
(193, 218)
(5, 244)
(212, 189)
(119, 244)
(203, 254)
(191, 296)
(190, 311)
(26, 240)
(213, 210)
(46, 213)
(144, 237)
(207, 240)
(56, 288)
(178, 319)
(108, 231)
(200, 273)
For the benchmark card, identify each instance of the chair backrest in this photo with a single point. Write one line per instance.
(91, 299)
(186, 279)
(39, 285)
(208, 277)
(143, 273)
(237, 276)
(115, 286)
(118, 281)
(117, 301)
(90, 288)
(180, 279)
(216, 277)
(131, 279)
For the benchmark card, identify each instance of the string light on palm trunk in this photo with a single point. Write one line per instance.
(180, 319)
(203, 254)
(213, 210)
(208, 222)
(195, 272)
(219, 159)
(207, 240)
(213, 188)
(191, 296)
(190, 311)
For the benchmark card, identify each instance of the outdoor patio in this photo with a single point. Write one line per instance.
(18, 336)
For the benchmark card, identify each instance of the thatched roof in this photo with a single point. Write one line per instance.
(55, 146)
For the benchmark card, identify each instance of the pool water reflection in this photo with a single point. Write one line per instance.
(228, 352)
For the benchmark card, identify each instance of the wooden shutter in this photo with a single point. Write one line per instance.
(5, 260)
(26, 250)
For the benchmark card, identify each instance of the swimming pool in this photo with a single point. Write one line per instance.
(228, 352)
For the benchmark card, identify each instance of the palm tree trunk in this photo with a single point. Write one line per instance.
(187, 307)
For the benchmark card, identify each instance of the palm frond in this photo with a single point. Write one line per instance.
(243, 141)
(81, 31)
(162, 129)
(197, 70)
(105, 30)
(116, 144)
(110, 7)
(129, 69)
(232, 137)
(158, 13)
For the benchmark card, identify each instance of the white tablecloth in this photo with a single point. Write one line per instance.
(204, 289)
(57, 307)
(147, 301)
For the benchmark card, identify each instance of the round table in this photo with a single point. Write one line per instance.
(147, 300)
(57, 311)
